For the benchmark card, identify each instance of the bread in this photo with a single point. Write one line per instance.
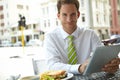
(53, 75)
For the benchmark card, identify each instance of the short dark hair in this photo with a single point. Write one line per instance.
(61, 2)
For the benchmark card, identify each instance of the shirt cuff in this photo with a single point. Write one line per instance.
(74, 69)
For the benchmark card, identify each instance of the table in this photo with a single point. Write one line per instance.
(94, 76)
(98, 76)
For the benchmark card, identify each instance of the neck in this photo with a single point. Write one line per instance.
(70, 31)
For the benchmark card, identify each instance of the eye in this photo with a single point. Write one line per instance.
(64, 15)
(73, 14)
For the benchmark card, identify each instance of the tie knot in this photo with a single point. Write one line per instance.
(70, 37)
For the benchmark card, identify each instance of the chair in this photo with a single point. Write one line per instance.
(39, 66)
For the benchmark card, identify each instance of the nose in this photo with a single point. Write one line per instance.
(69, 19)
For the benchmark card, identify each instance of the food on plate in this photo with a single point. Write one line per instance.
(53, 75)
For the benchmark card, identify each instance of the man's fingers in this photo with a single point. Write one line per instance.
(108, 69)
(111, 65)
(116, 60)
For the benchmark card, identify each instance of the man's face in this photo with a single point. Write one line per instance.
(68, 16)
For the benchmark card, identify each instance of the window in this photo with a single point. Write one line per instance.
(97, 4)
(44, 23)
(26, 27)
(27, 7)
(2, 24)
(8, 15)
(20, 6)
(97, 19)
(47, 10)
(19, 38)
(118, 4)
(119, 17)
(48, 23)
(104, 18)
(83, 17)
(1, 16)
(34, 26)
(36, 36)
(1, 8)
(13, 29)
(82, 3)
(29, 26)
(43, 10)
(110, 20)
(118, 11)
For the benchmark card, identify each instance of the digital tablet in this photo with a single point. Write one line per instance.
(100, 57)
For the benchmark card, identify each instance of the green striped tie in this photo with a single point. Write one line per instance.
(72, 56)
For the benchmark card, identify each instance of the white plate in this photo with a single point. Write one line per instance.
(69, 76)
(29, 78)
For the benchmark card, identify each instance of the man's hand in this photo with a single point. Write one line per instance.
(112, 66)
(83, 66)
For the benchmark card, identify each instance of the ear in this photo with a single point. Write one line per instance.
(78, 14)
(58, 15)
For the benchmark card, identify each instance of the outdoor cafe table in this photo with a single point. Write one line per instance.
(94, 76)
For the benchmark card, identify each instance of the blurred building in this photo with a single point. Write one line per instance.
(95, 14)
(49, 18)
(9, 17)
(101, 18)
(115, 17)
(41, 16)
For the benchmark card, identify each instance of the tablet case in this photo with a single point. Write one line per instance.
(100, 57)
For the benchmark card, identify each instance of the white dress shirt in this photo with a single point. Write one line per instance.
(56, 43)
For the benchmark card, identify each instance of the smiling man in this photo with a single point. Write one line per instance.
(56, 42)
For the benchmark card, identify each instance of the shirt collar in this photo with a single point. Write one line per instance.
(65, 35)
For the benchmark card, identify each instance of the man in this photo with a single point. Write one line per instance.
(56, 41)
